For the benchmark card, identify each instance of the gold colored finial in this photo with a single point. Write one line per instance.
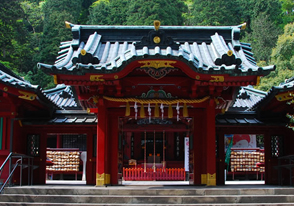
(156, 25)
(83, 52)
(68, 25)
(230, 53)
(243, 26)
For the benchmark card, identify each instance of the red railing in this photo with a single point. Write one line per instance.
(130, 174)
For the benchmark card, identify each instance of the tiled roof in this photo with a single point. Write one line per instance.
(288, 85)
(246, 118)
(63, 96)
(247, 97)
(9, 78)
(107, 49)
(67, 117)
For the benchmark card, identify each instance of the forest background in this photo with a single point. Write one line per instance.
(31, 30)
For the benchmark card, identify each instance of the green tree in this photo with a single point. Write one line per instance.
(283, 57)
(56, 12)
(215, 12)
(263, 37)
(251, 9)
(169, 12)
(11, 28)
(137, 12)
(108, 12)
(288, 11)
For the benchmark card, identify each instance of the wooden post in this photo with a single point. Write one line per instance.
(101, 177)
(210, 144)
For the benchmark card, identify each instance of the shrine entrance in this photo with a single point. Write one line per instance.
(154, 150)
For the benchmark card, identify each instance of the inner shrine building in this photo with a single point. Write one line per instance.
(149, 103)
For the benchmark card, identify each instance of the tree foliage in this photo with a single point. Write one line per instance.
(215, 12)
(283, 57)
(137, 12)
(31, 30)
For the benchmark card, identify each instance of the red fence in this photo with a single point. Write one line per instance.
(160, 174)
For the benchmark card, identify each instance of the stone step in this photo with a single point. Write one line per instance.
(107, 204)
(133, 199)
(147, 192)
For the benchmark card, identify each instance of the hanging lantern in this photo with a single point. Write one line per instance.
(128, 110)
(170, 111)
(185, 111)
(142, 111)
(156, 110)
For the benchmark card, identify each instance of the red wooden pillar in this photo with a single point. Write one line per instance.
(210, 144)
(101, 177)
(58, 141)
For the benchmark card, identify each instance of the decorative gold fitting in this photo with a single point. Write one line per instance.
(96, 78)
(156, 39)
(156, 25)
(217, 79)
(83, 52)
(68, 25)
(157, 63)
(230, 53)
(27, 96)
(115, 77)
(55, 79)
(5, 89)
(243, 26)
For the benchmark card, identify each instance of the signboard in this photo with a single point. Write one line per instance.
(240, 141)
(186, 161)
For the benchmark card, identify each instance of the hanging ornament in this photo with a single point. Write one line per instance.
(128, 110)
(178, 112)
(170, 111)
(162, 110)
(156, 110)
(142, 111)
(136, 110)
(185, 111)
(149, 112)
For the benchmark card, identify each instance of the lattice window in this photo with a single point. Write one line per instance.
(34, 145)
(277, 146)
(75, 141)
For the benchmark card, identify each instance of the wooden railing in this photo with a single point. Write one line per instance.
(130, 174)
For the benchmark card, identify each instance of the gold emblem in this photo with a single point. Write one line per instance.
(156, 39)
(115, 77)
(96, 78)
(157, 63)
(217, 79)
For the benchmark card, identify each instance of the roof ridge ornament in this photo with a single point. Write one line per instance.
(156, 25)
(68, 25)
(158, 38)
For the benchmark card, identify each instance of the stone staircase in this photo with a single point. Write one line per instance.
(143, 195)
